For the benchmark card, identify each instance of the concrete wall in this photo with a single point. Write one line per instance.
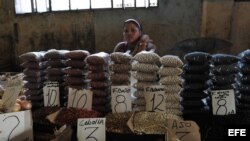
(171, 22)
(240, 33)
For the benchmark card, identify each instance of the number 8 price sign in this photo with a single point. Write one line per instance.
(91, 129)
(155, 98)
(121, 99)
(80, 98)
(223, 102)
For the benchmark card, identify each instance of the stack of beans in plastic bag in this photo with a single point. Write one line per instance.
(224, 71)
(169, 74)
(34, 65)
(120, 68)
(55, 72)
(76, 71)
(146, 68)
(244, 86)
(97, 65)
(196, 76)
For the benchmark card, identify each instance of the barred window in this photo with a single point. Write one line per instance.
(41, 6)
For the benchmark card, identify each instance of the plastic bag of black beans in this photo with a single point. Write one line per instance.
(195, 77)
(222, 59)
(193, 95)
(223, 79)
(195, 86)
(245, 79)
(197, 57)
(194, 103)
(225, 69)
(244, 68)
(244, 88)
(223, 87)
(187, 68)
(245, 98)
(245, 55)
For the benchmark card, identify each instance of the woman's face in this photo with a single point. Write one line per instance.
(131, 32)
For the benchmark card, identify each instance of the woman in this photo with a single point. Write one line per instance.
(135, 41)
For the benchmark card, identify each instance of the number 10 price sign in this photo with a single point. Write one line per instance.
(80, 98)
(51, 94)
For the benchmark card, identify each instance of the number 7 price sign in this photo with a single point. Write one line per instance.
(80, 98)
(155, 98)
(91, 129)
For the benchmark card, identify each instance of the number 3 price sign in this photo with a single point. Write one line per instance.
(16, 126)
(155, 98)
(91, 129)
(121, 99)
(80, 98)
(51, 94)
(223, 102)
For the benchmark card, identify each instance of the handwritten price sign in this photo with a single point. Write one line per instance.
(223, 102)
(80, 98)
(51, 94)
(121, 99)
(183, 130)
(91, 129)
(16, 126)
(11, 93)
(155, 98)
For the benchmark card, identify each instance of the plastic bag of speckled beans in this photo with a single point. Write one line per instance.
(197, 57)
(147, 57)
(121, 58)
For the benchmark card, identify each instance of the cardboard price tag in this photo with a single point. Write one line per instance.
(51, 94)
(91, 129)
(182, 130)
(121, 99)
(16, 126)
(80, 98)
(11, 93)
(223, 102)
(155, 98)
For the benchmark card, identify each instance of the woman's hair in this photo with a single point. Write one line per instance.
(134, 22)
